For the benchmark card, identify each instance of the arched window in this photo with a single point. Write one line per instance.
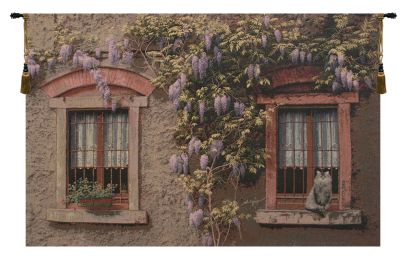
(96, 144)
(306, 131)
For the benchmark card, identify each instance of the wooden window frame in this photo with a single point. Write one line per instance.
(343, 103)
(295, 200)
(61, 213)
(100, 156)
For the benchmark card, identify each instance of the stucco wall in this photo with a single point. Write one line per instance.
(161, 196)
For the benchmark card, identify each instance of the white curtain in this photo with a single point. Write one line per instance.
(116, 140)
(325, 137)
(83, 139)
(292, 139)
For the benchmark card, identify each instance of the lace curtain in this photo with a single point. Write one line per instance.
(325, 138)
(293, 143)
(84, 131)
(115, 140)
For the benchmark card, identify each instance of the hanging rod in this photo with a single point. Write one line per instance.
(19, 15)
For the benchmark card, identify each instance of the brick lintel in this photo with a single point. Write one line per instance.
(115, 77)
(309, 98)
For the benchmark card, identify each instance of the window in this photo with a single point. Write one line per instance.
(307, 141)
(98, 151)
(306, 131)
(96, 144)
(102, 146)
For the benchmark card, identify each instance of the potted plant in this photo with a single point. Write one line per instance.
(91, 194)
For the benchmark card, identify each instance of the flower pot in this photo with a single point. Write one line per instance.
(96, 203)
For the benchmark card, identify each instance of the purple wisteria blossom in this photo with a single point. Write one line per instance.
(278, 35)
(65, 52)
(204, 161)
(202, 110)
(295, 56)
(216, 148)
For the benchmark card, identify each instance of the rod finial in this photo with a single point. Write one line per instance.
(390, 15)
(16, 15)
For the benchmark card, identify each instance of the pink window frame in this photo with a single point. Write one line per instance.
(343, 102)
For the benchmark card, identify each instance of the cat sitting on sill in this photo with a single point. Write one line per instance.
(319, 198)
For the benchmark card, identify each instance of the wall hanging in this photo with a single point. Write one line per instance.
(228, 129)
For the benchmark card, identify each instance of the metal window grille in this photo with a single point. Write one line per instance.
(98, 150)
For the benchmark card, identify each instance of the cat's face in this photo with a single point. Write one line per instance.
(325, 174)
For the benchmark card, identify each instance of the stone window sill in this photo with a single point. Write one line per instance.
(304, 217)
(99, 217)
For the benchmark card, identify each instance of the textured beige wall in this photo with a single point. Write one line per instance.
(161, 196)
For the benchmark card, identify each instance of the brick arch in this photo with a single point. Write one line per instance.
(82, 81)
(293, 78)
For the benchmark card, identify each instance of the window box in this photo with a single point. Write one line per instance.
(96, 203)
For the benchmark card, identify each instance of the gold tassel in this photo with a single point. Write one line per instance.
(25, 81)
(381, 85)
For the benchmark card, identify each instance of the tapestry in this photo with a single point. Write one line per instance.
(203, 130)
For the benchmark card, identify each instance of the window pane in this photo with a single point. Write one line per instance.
(116, 139)
(124, 180)
(73, 145)
(299, 180)
(280, 185)
(117, 177)
(90, 174)
(83, 139)
(72, 177)
(325, 138)
(300, 143)
(116, 180)
(292, 139)
(292, 151)
(107, 176)
(289, 180)
(335, 180)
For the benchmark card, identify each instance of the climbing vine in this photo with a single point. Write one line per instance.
(212, 67)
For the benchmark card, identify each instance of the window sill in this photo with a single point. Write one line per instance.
(97, 216)
(304, 217)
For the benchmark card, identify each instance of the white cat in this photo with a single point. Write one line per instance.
(319, 197)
